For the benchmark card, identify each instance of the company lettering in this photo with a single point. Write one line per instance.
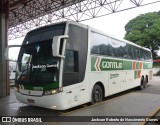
(112, 65)
(43, 66)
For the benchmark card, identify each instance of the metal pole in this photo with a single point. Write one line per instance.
(4, 82)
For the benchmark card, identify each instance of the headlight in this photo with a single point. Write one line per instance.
(51, 92)
(17, 89)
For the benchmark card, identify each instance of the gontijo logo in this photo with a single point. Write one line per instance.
(102, 64)
(113, 65)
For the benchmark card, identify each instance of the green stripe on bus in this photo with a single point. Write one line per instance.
(104, 64)
(93, 61)
(127, 65)
(147, 65)
(51, 86)
(40, 88)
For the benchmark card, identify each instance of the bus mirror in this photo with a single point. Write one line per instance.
(58, 46)
(11, 52)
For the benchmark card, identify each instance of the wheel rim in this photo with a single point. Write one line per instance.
(145, 83)
(97, 96)
(142, 86)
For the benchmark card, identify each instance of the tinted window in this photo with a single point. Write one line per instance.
(148, 55)
(74, 69)
(36, 64)
(71, 61)
(104, 45)
(99, 44)
(130, 52)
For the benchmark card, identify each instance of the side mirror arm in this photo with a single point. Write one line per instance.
(56, 45)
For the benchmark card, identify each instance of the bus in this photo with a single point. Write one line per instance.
(67, 64)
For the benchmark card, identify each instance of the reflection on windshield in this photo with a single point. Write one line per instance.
(37, 65)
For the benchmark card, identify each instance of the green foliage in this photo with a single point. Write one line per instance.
(156, 65)
(144, 30)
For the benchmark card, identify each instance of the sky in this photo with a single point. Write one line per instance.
(112, 24)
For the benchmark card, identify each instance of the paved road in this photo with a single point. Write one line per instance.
(130, 103)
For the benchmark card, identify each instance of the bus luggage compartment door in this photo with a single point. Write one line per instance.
(115, 81)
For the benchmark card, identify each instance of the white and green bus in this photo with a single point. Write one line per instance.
(67, 64)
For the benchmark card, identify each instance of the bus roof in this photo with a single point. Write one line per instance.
(98, 31)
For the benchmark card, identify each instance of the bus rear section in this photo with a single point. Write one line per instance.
(117, 65)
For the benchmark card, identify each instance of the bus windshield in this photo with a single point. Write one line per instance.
(36, 65)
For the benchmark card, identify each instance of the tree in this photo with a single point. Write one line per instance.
(144, 30)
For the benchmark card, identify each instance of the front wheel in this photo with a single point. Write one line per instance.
(97, 94)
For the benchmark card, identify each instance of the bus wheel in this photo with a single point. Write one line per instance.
(145, 82)
(97, 94)
(142, 85)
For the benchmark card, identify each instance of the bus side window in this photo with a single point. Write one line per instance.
(142, 55)
(125, 52)
(71, 68)
(71, 61)
(130, 52)
(149, 57)
(137, 53)
(110, 50)
(102, 49)
(145, 57)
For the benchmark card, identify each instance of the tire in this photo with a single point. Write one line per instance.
(97, 94)
(145, 82)
(142, 85)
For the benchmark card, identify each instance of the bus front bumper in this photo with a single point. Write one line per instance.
(49, 101)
